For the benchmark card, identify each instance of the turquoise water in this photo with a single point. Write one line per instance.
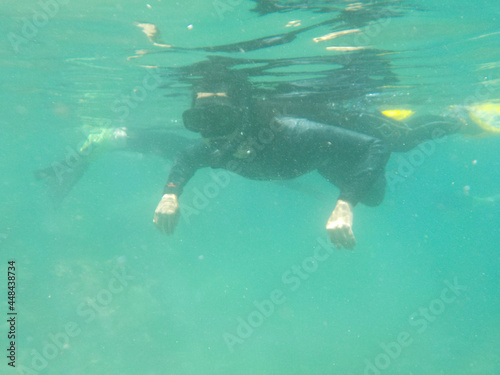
(100, 291)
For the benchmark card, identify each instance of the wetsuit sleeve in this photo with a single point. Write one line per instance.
(355, 162)
(185, 166)
(368, 170)
(367, 158)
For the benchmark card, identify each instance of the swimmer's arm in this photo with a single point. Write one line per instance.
(188, 162)
(185, 166)
(366, 165)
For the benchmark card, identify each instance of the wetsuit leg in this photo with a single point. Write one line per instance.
(400, 136)
(403, 136)
(159, 140)
(425, 128)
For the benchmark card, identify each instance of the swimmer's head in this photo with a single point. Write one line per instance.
(212, 115)
(219, 105)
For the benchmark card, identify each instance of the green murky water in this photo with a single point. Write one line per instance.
(235, 290)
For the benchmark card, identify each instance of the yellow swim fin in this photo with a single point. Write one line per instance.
(487, 116)
(398, 114)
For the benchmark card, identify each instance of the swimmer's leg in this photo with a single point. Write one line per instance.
(425, 128)
(63, 175)
(162, 141)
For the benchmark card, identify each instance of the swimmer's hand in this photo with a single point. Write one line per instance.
(167, 214)
(339, 226)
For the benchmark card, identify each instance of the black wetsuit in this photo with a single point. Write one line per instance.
(400, 136)
(289, 147)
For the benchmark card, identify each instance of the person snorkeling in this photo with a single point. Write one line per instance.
(260, 140)
(293, 146)
(348, 148)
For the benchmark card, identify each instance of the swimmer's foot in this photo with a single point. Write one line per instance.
(104, 139)
(478, 119)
